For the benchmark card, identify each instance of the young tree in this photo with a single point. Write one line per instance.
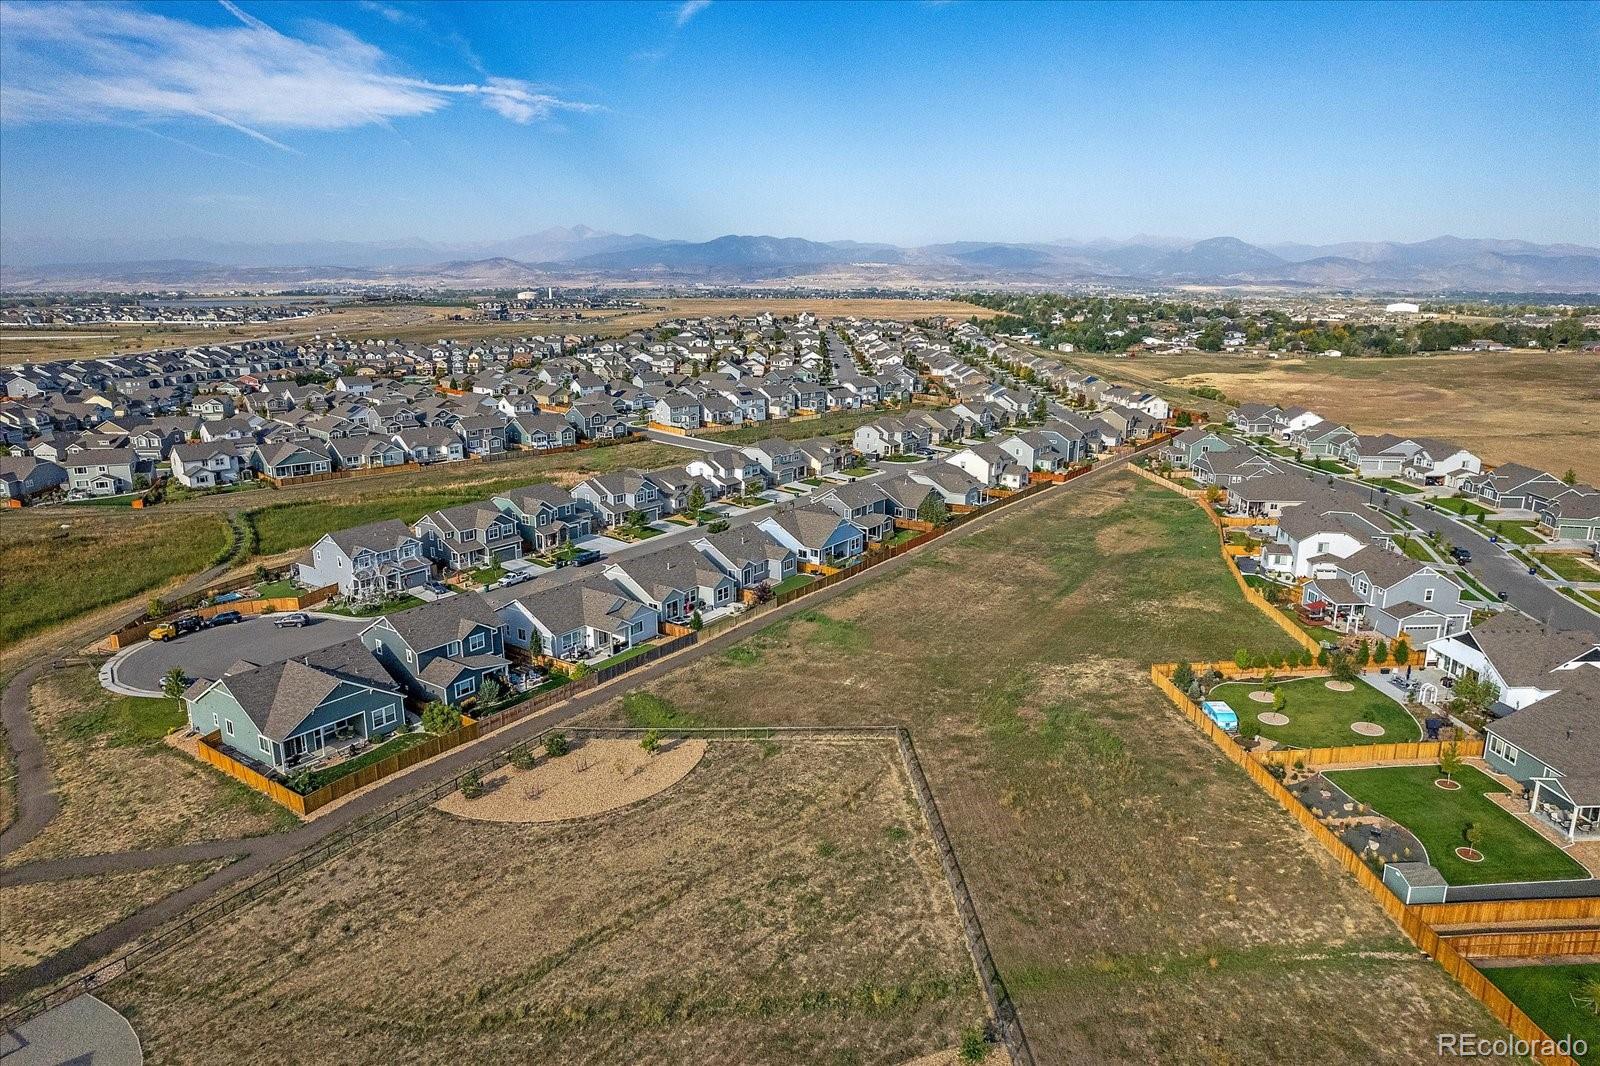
(441, 717)
(933, 510)
(697, 501)
(695, 621)
(1241, 658)
(490, 692)
(471, 785)
(1363, 654)
(1401, 652)
(1344, 669)
(1472, 833)
(1570, 477)
(1183, 676)
(1449, 761)
(1213, 495)
(651, 741)
(1280, 700)
(1380, 654)
(172, 683)
(155, 608)
(555, 744)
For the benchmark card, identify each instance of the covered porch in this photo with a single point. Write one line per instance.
(322, 743)
(1551, 804)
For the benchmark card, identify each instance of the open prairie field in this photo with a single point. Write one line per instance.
(1537, 408)
(1144, 901)
(780, 904)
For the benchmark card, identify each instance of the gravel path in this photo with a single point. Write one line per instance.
(595, 777)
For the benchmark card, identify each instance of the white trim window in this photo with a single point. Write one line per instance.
(265, 745)
(1500, 749)
(465, 687)
(476, 641)
(384, 716)
(228, 726)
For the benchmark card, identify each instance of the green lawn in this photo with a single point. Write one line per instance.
(1327, 466)
(1414, 548)
(1568, 567)
(271, 590)
(373, 610)
(1511, 850)
(1394, 486)
(1546, 993)
(1320, 717)
(1588, 599)
(1515, 532)
(902, 536)
(794, 581)
(1474, 586)
(1457, 505)
(393, 746)
(125, 721)
(903, 458)
(489, 574)
(857, 471)
(622, 657)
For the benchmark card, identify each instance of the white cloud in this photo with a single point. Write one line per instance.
(110, 63)
(688, 10)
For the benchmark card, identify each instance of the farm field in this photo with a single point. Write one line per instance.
(1319, 717)
(1144, 901)
(97, 743)
(780, 904)
(1547, 992)
(1511, 850)
(1531, 407)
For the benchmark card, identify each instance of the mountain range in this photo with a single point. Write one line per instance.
(580, 255)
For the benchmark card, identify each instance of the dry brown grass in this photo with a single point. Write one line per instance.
(1112, 850)
(1537, 408)
(769, 908)
(120, 787)
(41, 919)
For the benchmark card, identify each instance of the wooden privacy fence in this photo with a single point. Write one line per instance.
(1542, 944)
(132, 634)
(1511, 911)
(1414, 920)
(1357, 754)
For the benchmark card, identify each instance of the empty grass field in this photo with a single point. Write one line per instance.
(1319, 717)
(87, 558)
(121, 786)
(781, 904)
(1144, 901)
(1511, 851)
(1533, 407)
(1560, 998)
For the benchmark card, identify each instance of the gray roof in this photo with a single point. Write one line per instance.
(595, 602)
(433, 625)
(811, 526)
(747, 544)
(279, 696)
(1563, 731)
(379, 536)
(1524, 651)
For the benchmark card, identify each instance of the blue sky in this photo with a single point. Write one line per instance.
(904, 122)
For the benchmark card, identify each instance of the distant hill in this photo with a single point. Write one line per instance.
(580, 255)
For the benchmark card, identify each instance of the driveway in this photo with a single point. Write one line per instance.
(694, 444)
(211, 651)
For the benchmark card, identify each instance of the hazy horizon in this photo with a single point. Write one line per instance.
(908, 124)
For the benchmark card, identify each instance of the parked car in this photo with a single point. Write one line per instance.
(514, 578)
(226, 618)
(296, 619)
(582, 557)
(178, 627)
(164, 632)
(1461, 555)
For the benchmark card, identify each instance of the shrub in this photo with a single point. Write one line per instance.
(974, 1044)
(1324, 659)
(1259, 662)
(695, 621)
(1344, 669)
(1380, 654)
(471, 785)
(1280, 700)
(1402, 652)
(491, 692)
(1241, 659)
(1183, 677)
(300, 781)
(440, 717)
(555, 745)
(521, 759)
(651, 741)
(1363, 654)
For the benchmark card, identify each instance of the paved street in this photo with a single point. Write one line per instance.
(211, 651)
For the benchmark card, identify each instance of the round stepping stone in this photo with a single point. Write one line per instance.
(1261, 697)
(1339, 686)
(1272, 718)
(1367, 729)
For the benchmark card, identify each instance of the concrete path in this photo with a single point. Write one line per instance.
(259, 854)
(80, 1032)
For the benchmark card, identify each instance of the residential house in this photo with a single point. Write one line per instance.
(431, 444)
(865, 505)
(469, 536)
(1182, 451)
(205, 466)
(288, 459)
(594, 618)
(542, 430)
(816, 534)
(891, 436)
(991, 465)
(955, 485)
(24, 477)
(546, 516)
(367, 562)
(612, 497)
(679, 410)
(676, 581)
(1387, 592)
(365, 453)
(781, 459)
(441, 650)
(284, 715)
(104, 471)
(749, 555)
